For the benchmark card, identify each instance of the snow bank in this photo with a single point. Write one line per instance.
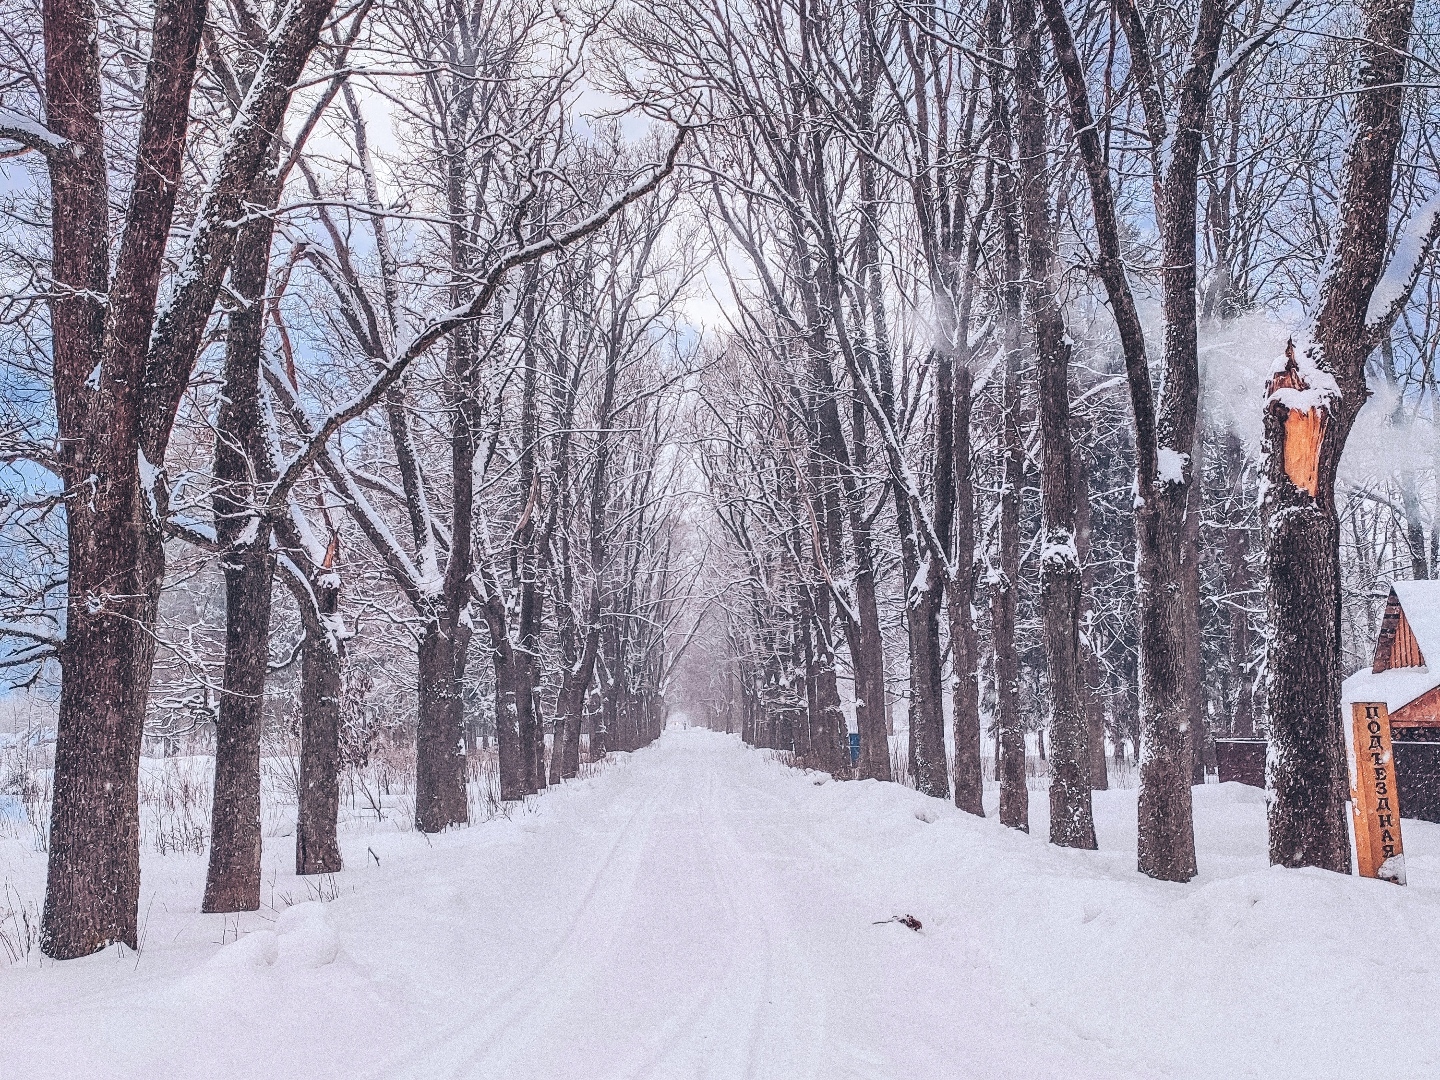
(699, 909)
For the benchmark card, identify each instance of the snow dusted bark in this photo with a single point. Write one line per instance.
(867, 646)
(1014, 793)
(920, 550)
(242, 467)
(119, 375)
(440, 786)
(317, 849)
(525, 559)
(960, 596)
(1307, 771)
(310, 574)
(1092, 677)
(1071, 821)
(439, 751)
(1194, 699)
(579, 637)
(94, 861)
(822, 742)
(1164, 436)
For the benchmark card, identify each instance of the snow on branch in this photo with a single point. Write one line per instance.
(34, 135)
(1242, 52)
(11, 628)
(436, 329)
(1392, 292)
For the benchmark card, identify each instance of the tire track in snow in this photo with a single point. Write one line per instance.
(418, 1059)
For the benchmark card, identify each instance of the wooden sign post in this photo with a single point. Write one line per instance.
(1374, 801)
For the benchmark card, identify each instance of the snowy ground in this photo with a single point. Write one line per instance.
(698, 910)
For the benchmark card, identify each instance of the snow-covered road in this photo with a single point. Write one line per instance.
(699, 910)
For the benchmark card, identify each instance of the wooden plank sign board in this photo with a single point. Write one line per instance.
(1374, 801)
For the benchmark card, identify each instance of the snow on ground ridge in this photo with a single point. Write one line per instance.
(699, 909)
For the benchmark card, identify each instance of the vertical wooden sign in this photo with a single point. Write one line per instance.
(1374, 801)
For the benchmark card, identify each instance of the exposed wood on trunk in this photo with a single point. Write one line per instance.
(1307, 773)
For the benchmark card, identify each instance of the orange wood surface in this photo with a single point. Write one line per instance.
(1424, 711)
(1374, 801)
(1395, 645)
(1405, 652)
(1303, 431)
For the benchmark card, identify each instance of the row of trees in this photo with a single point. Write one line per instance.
(997, 370)
(430, 380)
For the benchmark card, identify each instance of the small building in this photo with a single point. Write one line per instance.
(1405, 675)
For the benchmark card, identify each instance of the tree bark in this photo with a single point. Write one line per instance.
(507, 720)
(1307, 770)
(232, 880)
(317, 848)
(439, 738)
(115, 553)
(1071, 820)
(1190, 592)
(1093, 678)
(1014, 792)
(964, 644)
(1165, 437)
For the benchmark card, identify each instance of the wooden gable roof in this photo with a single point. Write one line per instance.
(1410, 630)
(1396, 646)
(1406, 665)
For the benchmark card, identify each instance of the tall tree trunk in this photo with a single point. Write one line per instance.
(1014, 792)
(441, 792)
(609, 719)
(960, 593)
(439, 735)
(532, 720)
(232, 880)
(1190, 592)
(507, 720)
(317, 849)
(924, 592)
(801, 731)
(873, 722)
(1092, 677)
(525, 559)
(1165, 435)
(1307, 774)
(115, 554)
(1167, 836)
(867, 658)
(829, 744)
(1071, 820)
(1238, 583)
